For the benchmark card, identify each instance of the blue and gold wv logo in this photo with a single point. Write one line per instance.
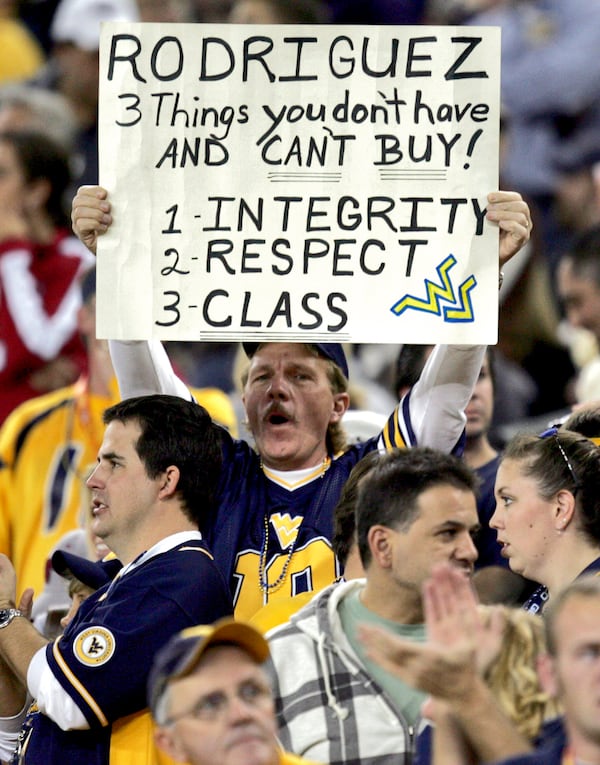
(459, 309)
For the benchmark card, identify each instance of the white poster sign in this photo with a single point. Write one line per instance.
(299, 183)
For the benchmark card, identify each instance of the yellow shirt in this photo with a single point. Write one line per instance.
(47, 447)
(21, 56)
(278, 612)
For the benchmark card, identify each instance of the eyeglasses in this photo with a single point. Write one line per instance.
(553, 434)
(252, 693)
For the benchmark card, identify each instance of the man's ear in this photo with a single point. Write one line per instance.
(170, 480)
(546, 671)
(379, 539)
(167, 742)
(341, 402)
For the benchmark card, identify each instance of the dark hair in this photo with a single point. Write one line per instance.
(344, 514)
(41, 158)
(411, 359)
(585, 420)
(181, 433)
(584, 254)
(409, 365)
(545, 460)
(389, 494)
(490, 355)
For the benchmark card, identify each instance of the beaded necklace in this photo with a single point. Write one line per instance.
(265, 586)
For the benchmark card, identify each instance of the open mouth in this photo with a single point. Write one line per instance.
(276, 415)
(277, 419)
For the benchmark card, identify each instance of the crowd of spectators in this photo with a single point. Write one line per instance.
(375, 648)
(550, 154)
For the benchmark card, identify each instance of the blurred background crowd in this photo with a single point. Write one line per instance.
(547, 358)
(56, 377)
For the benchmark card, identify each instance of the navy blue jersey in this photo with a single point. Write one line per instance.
(538, 599)
(103, 659)
(298, 526)
(548, 746)
(273, 542)
(550, 755)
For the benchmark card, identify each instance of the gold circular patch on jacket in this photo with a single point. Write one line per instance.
(94, 646)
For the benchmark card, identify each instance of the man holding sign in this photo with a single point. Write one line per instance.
(286, 186)
(271, 534)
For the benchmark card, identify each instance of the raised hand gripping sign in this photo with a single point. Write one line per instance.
(306, 183)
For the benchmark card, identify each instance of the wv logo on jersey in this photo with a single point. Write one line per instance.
(94, 646)
(286, 528)
(459, 308)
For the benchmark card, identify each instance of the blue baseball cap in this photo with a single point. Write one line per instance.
(181, 654)
(92, 573)
(332, 351)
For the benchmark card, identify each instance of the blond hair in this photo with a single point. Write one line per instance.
(512, 675)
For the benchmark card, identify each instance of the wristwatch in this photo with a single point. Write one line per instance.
(7, 615)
